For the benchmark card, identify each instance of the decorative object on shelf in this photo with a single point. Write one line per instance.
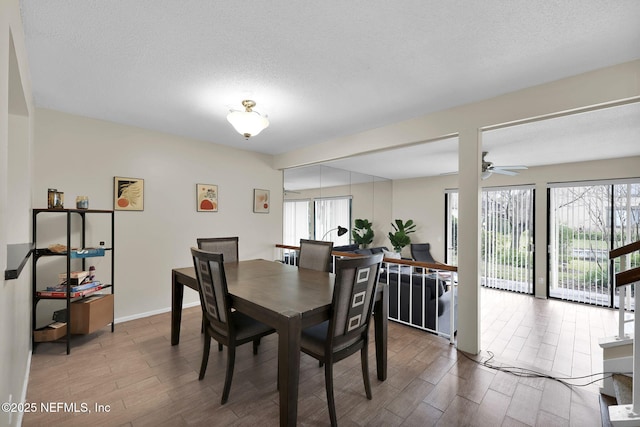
(55, 199)
(248, 123)
(399, 238)
(261, 201)
(207, 197)
(86, 252)
(341, 231)
(128, 194)
(82, 202)
(58, 248)
(362, 232)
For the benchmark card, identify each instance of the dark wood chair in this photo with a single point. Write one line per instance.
(227, 246)
(347, 331)
(315, 254)
(227, 327)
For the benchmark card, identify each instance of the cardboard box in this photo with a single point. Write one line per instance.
(50, 332)
(92, 313)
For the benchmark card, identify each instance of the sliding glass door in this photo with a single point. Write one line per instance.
(507, 237)
(331, 213)
(586, 221)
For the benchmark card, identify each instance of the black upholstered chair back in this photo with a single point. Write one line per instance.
(228, 328)
(214, 295)
(353, 298)
(228, 246)
(420, 252)
(315, 254)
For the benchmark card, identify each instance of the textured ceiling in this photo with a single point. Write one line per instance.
(319, 70)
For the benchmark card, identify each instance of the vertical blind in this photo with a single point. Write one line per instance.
(329, 214)
(296, 221)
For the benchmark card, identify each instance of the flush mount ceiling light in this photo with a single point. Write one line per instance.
(247, 123)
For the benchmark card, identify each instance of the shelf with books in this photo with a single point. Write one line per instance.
(81, 285)
(77, 293)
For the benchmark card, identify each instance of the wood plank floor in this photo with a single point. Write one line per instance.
(141, 380)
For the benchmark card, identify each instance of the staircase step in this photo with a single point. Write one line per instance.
(622, 384)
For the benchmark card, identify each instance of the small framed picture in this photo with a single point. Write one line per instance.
(261, 201)
(207, 197)
(128, 194)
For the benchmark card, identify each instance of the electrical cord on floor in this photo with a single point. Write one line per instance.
(530, 373)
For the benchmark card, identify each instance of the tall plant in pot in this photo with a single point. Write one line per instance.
(399, 238)
(362, 232)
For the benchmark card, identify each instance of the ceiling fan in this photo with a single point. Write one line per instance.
(488, 168)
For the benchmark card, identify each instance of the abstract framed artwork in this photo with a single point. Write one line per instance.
(207, 197)
(261, 201)
(128, 194)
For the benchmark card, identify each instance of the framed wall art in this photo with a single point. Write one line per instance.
(207, 197)
(261, 201)
(128, 194)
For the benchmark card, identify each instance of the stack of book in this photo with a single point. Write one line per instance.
(80, 284)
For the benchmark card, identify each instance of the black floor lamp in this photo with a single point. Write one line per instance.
(341, 231)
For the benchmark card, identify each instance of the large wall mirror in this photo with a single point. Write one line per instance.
(321, 202)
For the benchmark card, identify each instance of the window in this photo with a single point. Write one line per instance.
(329, 214)
(296, 221)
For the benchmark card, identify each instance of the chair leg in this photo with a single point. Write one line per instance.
(219, 347)
(205, 355)
(365, 371)
(256, 343)
(231, 359)
(328, 381)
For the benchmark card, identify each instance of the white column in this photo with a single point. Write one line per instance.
(469, 170)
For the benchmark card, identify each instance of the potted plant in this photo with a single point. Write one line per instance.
(399, 237)
(362, 232)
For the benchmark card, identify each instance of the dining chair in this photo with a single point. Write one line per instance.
(228, 246)
(315, 254)
(347, 331)
(227, 327)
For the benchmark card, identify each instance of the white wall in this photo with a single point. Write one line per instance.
(81, 156)
(16, 106)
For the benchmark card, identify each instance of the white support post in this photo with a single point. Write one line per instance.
(629, 415)
(622, 297)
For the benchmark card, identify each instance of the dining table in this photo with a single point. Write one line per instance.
(288, 299)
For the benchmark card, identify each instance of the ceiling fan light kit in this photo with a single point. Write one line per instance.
(247, 123)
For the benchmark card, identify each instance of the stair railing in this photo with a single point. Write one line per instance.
(627, 415)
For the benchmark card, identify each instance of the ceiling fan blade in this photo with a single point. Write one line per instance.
(503, 171)
(518, 167)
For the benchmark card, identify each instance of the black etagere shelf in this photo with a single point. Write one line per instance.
(69, 255)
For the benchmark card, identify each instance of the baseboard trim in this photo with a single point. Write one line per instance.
(151, 313)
